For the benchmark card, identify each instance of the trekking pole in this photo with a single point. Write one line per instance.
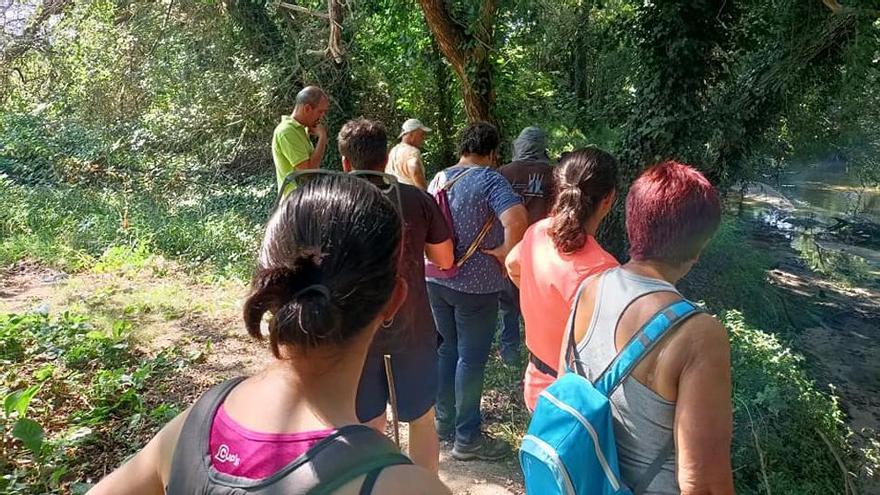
(392, 397)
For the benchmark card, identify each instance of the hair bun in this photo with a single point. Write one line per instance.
(297, 276)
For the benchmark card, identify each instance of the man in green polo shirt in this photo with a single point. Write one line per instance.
(291, 147)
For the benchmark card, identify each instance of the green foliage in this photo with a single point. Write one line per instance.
(730, 277)
(70, 226)
(780, 418)
(69, 392)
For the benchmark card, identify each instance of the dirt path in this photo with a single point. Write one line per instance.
(198, 318)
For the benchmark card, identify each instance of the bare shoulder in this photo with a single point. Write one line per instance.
(703, 338)
(705, 329)
(410, 479)
(166, 442)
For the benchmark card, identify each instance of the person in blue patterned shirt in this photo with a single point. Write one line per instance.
(465, 307)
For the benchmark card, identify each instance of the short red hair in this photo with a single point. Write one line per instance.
(672, 210)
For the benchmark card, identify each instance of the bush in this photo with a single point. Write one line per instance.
(70, 227)
(786, 432)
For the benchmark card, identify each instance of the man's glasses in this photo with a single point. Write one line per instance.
(386, 183)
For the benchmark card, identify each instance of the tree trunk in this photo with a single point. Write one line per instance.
(334, 45)
(477, 91)
(467, 53)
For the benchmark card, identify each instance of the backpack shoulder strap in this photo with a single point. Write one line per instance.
(189, 468)
(475, 244)
(655, 467)
(450, 182)
(642, 342)
(352, 451)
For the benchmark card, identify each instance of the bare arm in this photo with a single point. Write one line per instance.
(417, 172)
(147, 472)
(703, 412)
(515, 221)
(441, 254)
(314, 160)
(512, 264)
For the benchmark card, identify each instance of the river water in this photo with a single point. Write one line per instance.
(828, 215)
(831, 191)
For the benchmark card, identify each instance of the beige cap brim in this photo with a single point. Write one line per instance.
(424, 128)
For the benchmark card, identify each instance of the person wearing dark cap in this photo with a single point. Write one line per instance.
(531, 176)
(405, 159)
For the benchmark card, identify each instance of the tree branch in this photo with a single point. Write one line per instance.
(28, 38)
(834, 5)
(449, 34)
(335, 49)
(303, 10)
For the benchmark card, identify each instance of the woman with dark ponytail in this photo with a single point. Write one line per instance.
(327, 278)
(559, 252)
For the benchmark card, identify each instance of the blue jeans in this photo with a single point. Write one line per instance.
(467, 324)
(510, 317)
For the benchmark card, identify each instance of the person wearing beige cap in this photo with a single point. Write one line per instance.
(405, 159)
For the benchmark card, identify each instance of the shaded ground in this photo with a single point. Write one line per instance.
(171, 309)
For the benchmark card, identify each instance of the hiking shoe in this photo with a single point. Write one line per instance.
(485, 448)
(444, 433)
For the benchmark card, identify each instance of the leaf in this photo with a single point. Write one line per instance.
(30, 433)
(19, 401)
(80, 488)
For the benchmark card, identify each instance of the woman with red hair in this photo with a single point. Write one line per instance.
(674, 407)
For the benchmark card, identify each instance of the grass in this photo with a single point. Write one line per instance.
(71, 227)
(781, 420)
(731, 274)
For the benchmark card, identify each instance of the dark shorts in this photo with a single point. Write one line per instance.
(415, 380)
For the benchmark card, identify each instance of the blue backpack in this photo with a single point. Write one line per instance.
(569, 448)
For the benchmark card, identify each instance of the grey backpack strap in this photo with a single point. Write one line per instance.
(189, 465)
(353, 451)
(655, 467)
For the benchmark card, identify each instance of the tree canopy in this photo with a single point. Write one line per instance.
(736, 88)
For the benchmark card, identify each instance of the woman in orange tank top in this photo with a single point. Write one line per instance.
(559, 252)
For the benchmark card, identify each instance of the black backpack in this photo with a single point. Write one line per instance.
(351, 452)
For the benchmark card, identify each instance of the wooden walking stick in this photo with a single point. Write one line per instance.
(392, 397)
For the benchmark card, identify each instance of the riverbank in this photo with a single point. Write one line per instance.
(822, 293)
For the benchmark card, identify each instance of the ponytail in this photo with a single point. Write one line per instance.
(583, 179)
(299, 303)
